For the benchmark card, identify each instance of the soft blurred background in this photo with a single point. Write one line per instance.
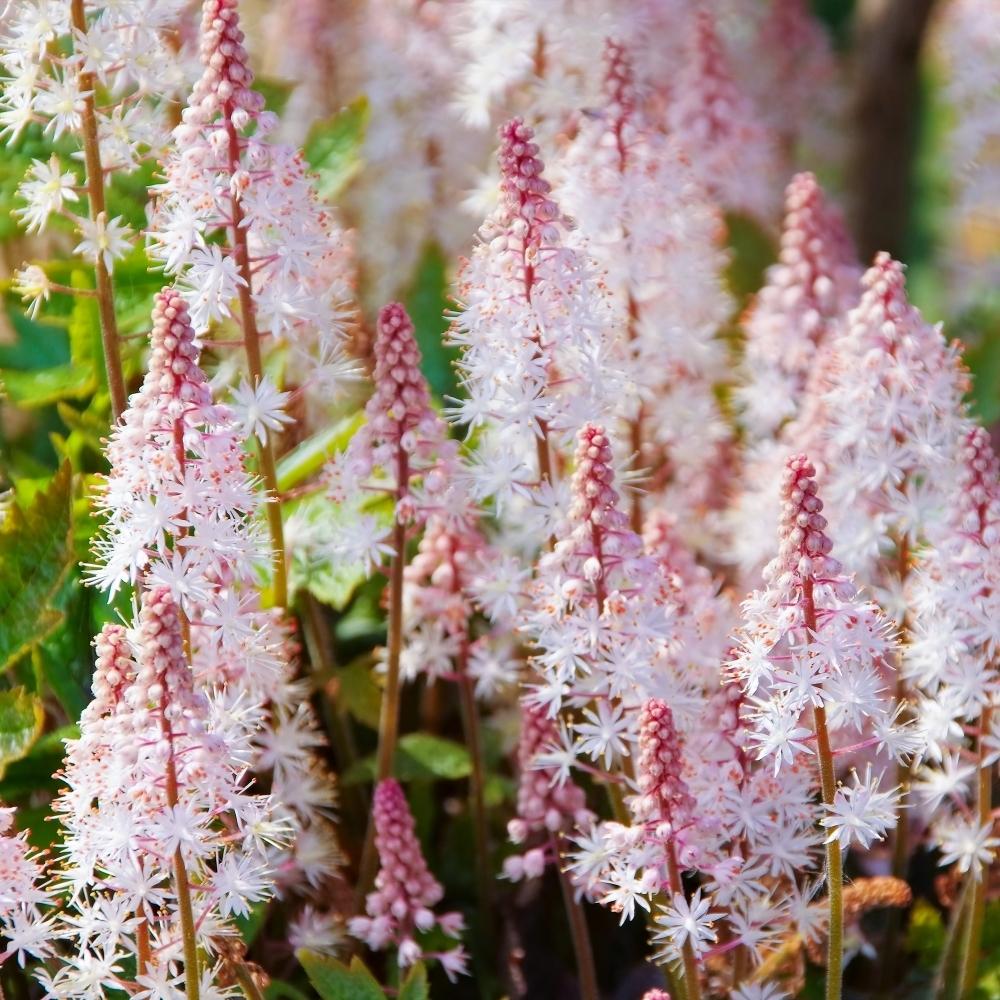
(895, 104)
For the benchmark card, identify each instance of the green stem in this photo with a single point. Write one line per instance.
(251, 344)
(477, 797)
(973, 937)
(834, 863)
(319, 645)
(388, 728)
(96, 208)
(192, 976)
(947, 978)
(243, 977)
(692, 981)
(579, 933)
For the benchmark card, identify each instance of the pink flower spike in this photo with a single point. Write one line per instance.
(401, 403)
(800, 308)
(523, 189)
(660, 763)
(545, 804)
(978, 488)
(804, 545)
(227, 80)
(730, 148)
(400, 908)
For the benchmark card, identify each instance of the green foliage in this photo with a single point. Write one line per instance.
(752, 251)
(30, 145)
(35, 554)
(279, 989)
(45, 386)
(253, 923)
(419, 757)
(983, 358)
(33, 773)
(926, 934)
(332, 581)
(414, 986)
(333, 148)
(36, 344)
(335, 981)
(308, 457)
(275, 92)
(988, 973)
(359, 693)
(21, 721)
(427, 302)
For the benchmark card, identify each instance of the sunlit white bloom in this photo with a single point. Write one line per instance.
(685, 922)
(260, 408)
(107, 239)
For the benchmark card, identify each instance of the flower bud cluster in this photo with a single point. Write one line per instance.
(401, 907)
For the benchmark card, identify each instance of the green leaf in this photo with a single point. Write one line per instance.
(926, 933)
(21, 721)
(419, 757)
(753, 251)
(333, 148)
(415, 985)
(48, 385)
(35, 772)
(312, 454)
(335, 981)
(440, 757)
(35, 553)
(274, 92)
(64, 663)
(38, 345)
(983, 360)
(332, 581)
(279, 989)
(359, 693)
(252, 924)
(426, 303)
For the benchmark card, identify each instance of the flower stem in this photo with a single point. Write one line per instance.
(316, 632)
(692, 983)
(142, 945)
(251, 343)
(245, 979)
(579, 933)
(636, 424)
(388, 726)
(947, 976)
(834, 863)
(96, 208)
(477, 799)
(973, 938)
(192, 977)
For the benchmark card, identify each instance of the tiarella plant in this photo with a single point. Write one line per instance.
(612, 613)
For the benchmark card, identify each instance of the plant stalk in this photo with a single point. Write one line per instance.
(579, 933)
(834, 860)
(477, 797)
(251, 343)
(192, 977)
(96, 207)
(388, 728)
(692, 983)
(245, 979)
(834, 863)
(973, 938)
